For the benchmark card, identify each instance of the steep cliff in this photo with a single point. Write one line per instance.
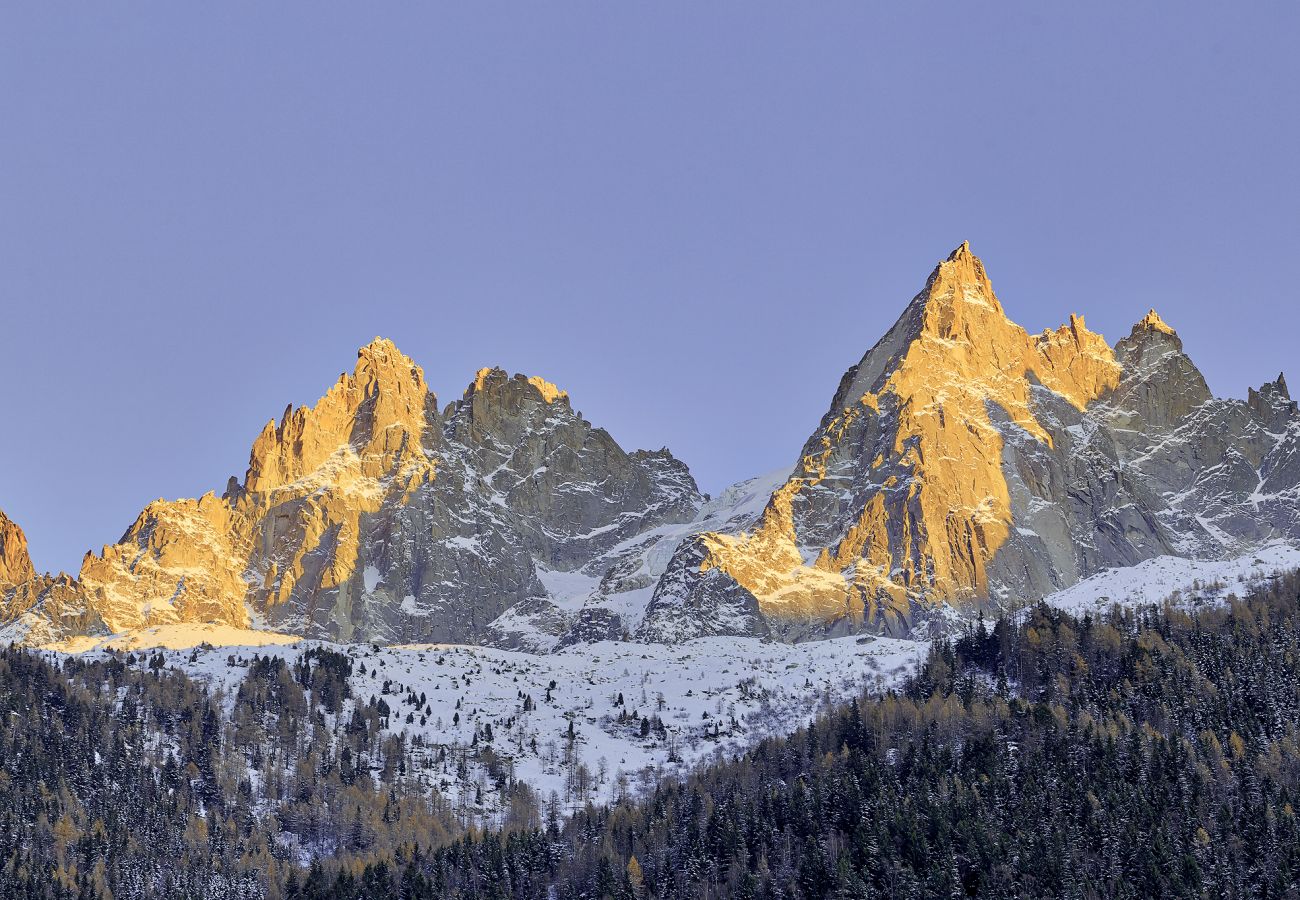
(15, 563)
(965, 463)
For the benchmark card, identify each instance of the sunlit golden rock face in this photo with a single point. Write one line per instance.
(900, 496)
(378, 413)
(15, 563)
(490, 376)
(47, 608)
(293, 526)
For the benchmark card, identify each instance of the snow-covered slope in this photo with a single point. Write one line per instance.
(1187, 582)
(712, 696)
(174, 637)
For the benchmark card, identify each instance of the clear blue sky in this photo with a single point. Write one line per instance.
(692, 216)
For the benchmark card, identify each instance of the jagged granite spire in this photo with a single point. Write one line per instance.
(15, 563)
(378, 411)
(1272, 403)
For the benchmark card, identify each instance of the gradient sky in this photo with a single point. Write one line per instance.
(691, 216)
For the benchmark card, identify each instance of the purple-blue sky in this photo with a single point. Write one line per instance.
(691, 216)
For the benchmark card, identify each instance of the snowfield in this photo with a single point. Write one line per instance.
(714, 697)
(175, 637)
(1188, 582)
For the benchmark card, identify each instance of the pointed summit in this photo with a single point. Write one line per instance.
(1152, 322)
(1272, 403)
(380, 360)
(376, 410)
(915, 439)
(965, 268)
(377, 344)
(1149, 341)
(486, 379)
(962, 264)
(958, 300)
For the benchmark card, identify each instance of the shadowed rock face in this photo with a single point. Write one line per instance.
(374, 516)
(573, 490)
(965, 463)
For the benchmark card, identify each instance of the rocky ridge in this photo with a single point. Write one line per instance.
(964, 463)
(376, 516)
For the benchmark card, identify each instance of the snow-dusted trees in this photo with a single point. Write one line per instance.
(1148, 753)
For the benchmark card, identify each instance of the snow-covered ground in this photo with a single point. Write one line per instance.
(174, 637)
(1190, 582)
(714, 696)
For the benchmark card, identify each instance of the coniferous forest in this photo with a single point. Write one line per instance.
(1147, 753)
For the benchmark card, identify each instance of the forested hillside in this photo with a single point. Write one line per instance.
(121, 778)
(1149, 753)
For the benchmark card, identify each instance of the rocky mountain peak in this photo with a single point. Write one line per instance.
(1152, 322)
(15, 563)
(1161, 384)
(958, 300)
(377, 412)
(381, 353)
(1276, 389)
(550, 393)
(492, 383)
(1148, 341)
(382, 368)
(500, 411)
(965, 462)
(901, 493)
(371, 515)
(963, 265)
(487, 380)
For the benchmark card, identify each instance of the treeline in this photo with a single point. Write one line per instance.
(1148, 753)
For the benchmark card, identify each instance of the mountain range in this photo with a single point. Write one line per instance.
(963, 464)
